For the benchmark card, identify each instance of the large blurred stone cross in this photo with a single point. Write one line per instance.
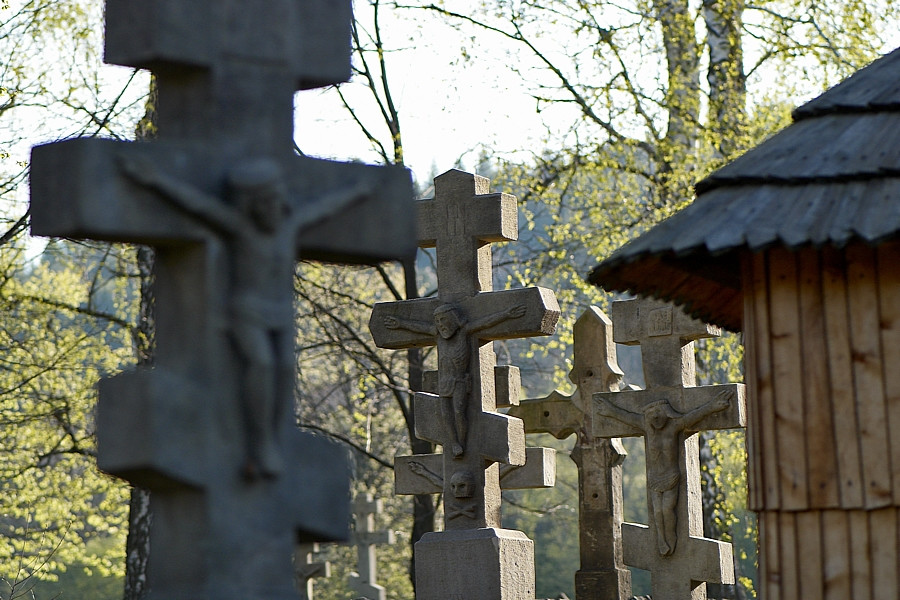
(461, 222)
(668, 414)
(603, 574)
(229, 206)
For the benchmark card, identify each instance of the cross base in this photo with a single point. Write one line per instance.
(486, 563)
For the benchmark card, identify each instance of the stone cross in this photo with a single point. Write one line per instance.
(307, 567)
(228, 206)
(603, 574)
(668, 414)
(365, 537)
(461, 222)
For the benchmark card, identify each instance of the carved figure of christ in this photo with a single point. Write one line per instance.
(454, 344)
(665, 430)
(261, 232)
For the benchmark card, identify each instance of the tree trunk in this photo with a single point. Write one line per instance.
(727, 82)
(423, 505)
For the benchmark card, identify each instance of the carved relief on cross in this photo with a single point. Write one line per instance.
(424, 473)
(603, 575)
(668, 414)
(365, 537)
(461, 222)
(228, 206)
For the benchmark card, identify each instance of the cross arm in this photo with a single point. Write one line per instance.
(556, 414)
(607, 407)
(424, 473)
(78, 190)
(502, 436)
(539, 317)
(539, 471)
(490, 217)
(684, 400)
(420, 310)
(181, 194)
(378, 222)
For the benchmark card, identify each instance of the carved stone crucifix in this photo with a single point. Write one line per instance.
(603, 574)
(461, 222)
(668, 414)
(228, 206)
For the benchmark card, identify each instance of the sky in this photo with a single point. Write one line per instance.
(449, 106)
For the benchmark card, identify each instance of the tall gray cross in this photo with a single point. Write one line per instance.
(228, 206)
(603, 574)
(669, 413)
(365, 537)
(473, 556)
(461, 221)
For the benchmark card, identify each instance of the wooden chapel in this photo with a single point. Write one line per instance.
(797, 245)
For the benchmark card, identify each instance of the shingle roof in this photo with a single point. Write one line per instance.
(830, 178)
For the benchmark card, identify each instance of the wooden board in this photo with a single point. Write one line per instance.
(836, 549)
(809, 552)
(865, 343)
(889, 312)
(751, 375)
(819, 426)
(764, 405)
(883, 535)
(787, 380)
(860, 561)
(843, 403)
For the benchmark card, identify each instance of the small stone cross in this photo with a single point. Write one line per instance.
(603, 574)
(668, 414)
(365, 537)
(308, 567)
(228, 206)
(461, 222)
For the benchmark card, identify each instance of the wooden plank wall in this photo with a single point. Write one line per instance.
(822, 348)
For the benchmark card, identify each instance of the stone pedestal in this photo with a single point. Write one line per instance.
(487, 563)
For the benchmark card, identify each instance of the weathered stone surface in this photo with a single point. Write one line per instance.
(461, 221)
(668, 414)
(603, 574)
(475, 563)
(229, 207)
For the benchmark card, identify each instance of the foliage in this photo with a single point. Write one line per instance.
(59, 335)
